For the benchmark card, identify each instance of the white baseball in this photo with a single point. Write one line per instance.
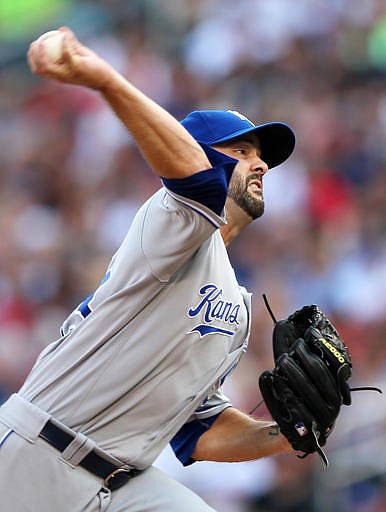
(53, 44)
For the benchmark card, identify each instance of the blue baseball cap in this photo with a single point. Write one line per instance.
(277, 140)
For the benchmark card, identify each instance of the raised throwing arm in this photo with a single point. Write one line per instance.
(168, 148)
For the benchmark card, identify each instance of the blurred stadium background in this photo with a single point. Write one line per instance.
(71, 180)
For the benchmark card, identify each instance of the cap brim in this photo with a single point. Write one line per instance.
(277, 141)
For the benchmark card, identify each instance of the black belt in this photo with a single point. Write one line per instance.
(112, 475)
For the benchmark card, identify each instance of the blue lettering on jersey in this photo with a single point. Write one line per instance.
(214, 307)
(209, 329)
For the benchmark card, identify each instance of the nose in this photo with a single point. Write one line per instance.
(259, 166)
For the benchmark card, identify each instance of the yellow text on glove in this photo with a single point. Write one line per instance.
(333, 350)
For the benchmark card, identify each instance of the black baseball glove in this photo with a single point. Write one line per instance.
(305, 390)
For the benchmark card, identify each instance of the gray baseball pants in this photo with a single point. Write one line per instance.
(35, 477)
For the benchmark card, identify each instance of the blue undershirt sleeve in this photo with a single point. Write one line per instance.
(184, 442)
(208, 187)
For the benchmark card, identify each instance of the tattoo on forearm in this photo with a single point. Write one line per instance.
(274, 430)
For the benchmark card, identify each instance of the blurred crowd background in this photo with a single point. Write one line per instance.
(71, 180)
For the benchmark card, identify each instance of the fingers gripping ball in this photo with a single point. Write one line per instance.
(53, 44)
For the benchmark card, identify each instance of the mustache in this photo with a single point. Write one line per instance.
(253, 177)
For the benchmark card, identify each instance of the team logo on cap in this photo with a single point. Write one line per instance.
(241, 116)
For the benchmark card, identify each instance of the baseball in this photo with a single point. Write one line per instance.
(53, 44)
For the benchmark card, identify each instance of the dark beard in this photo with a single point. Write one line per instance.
(251, 205)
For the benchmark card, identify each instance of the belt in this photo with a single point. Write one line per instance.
(113, 476)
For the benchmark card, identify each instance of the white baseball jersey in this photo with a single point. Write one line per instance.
(147, 351)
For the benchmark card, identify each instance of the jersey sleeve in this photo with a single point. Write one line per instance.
(184, 442)
(183, 215)
(209, 187)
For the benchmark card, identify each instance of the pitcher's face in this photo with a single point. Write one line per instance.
(246, 185)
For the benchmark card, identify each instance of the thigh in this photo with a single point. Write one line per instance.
(154, 491)
(34, 478)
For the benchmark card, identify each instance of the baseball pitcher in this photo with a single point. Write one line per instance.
(140, 362)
